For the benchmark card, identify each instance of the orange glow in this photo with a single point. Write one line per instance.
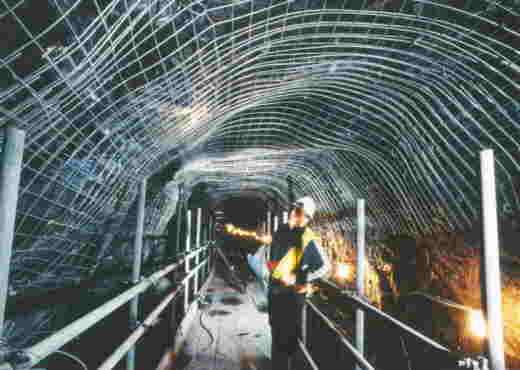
(477, 325)
(229, 228)
(266, 238)
(344, 271)
(289, 279)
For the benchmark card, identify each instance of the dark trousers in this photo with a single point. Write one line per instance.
(285, 313)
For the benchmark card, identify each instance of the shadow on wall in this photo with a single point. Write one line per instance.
(380, 286)
(447, 265)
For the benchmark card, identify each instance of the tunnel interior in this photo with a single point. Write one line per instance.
(244, 212)
(240, 106)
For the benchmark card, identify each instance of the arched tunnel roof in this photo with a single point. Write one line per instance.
(385, 100)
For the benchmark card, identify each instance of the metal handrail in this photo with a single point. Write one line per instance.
(307, 355)
(368, 307)
(46, 347)
(150, 321)
(442, 301)
(361, 304)
(360, 359)
(358, 356)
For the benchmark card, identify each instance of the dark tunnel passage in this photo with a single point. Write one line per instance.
(239, 107)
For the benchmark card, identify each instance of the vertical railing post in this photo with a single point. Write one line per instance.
(304, 323)
(213, 236)
(360, 275)
(204, 227)
(275, 229)
(136, 271)
(208, 241)
(11, 168)
(179, 223)
(493, 293)
(269, 230)
(173, 322)
(197, 244)
(210, 224)
(187, 264)
(285, 217)
(204, 240)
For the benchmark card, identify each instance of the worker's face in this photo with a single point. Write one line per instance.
(297, 218)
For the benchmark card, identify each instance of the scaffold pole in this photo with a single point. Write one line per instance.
(10, 172)
(136, 271)
(495, 334)
(360, 276)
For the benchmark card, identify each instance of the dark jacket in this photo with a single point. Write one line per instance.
(313, 264)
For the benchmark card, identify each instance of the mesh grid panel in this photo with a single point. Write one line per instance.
(386, 100)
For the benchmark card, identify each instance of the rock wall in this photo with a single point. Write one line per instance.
(444, 265)
(447, 265)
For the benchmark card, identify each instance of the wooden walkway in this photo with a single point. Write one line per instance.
(229, 330)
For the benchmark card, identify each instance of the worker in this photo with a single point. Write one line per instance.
(296, 260)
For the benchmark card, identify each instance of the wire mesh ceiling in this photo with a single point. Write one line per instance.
(386, 100)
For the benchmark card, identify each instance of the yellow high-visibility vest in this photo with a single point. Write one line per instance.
(292, 258)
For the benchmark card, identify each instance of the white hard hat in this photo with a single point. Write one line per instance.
(308, 205)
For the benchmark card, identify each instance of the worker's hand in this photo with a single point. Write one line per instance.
(289, 280)
(305, 289)
(298, 288)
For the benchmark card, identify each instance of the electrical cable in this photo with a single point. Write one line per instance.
(236, 280)
(251, 297)
(403, 345)
(73, 357)
(206, 329)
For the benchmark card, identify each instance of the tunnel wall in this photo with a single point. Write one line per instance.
(445, 265)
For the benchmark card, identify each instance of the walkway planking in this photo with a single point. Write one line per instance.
(229, 332)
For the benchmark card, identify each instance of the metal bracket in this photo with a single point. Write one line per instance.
(155, 322)
(136, 324)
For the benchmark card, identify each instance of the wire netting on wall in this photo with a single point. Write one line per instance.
(386, 100)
